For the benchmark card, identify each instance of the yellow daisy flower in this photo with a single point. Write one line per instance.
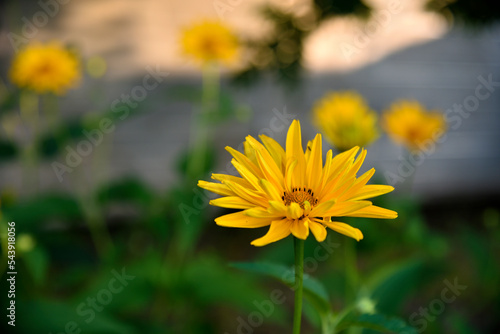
(48, 68)
(293, 192)
(210, 41)
(346, 120)
(409, 123)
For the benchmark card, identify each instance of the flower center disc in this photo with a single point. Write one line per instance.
(299, 196)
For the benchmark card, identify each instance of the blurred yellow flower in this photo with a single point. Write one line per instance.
(210, 41)
(293, 192)
(409, 123)
(45, 68)
(346, 120)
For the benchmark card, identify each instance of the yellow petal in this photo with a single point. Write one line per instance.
(276, 151)
(232, 202)
(315, 164)
(307, 208)
(277, 207)
(342, 161)
(251, 196)
(258, 147)
(322, 208)
(246, 174)
(270, 171)
(240, 219)
(371, 190)
(337, 177)
(318, 230)
(294, 151)
(245, 161)
(326, 170)
(345, 229)
(300, 228)
(294, 211)
(346, 208)
(250, 152)
(218, 188)
(347, 180)
(279, 229)
(268, 166)
(224, 177)
(263, 213)
(308, 150)
(271, 191)
(357, 185)
(290, 169)
(375, 212)
(357, 165)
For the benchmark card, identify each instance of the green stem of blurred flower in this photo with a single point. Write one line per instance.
(410, 180)
(51, 110)
(94, 218)
(98, 230)
(299, 275)
(28, 107)
(200, 131)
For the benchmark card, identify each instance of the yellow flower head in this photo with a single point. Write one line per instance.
(408, 123)
(293, 192)
(346, 120)
(210, 41)
(48, 68)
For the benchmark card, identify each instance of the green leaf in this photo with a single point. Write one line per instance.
(57, 317)
(50, 144)
(392, 284)
(8, 150)
(460, 324)
(32, 214)
(125, 190)
(377, 322)
(208, 280)
(187, 206)
(37, 262)
(314, 291)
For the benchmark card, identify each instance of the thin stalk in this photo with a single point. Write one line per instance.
(410, 180)
(29, 109)
(199, 129)
(299, 278)
(51, 110)
(101, 238)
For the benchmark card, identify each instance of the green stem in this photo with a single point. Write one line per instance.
(410, 180)
(299, 272)
(199, 130)
(99, 233)
(29, 105)
(51, 110)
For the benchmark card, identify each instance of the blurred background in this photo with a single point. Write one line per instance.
(129, 203)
